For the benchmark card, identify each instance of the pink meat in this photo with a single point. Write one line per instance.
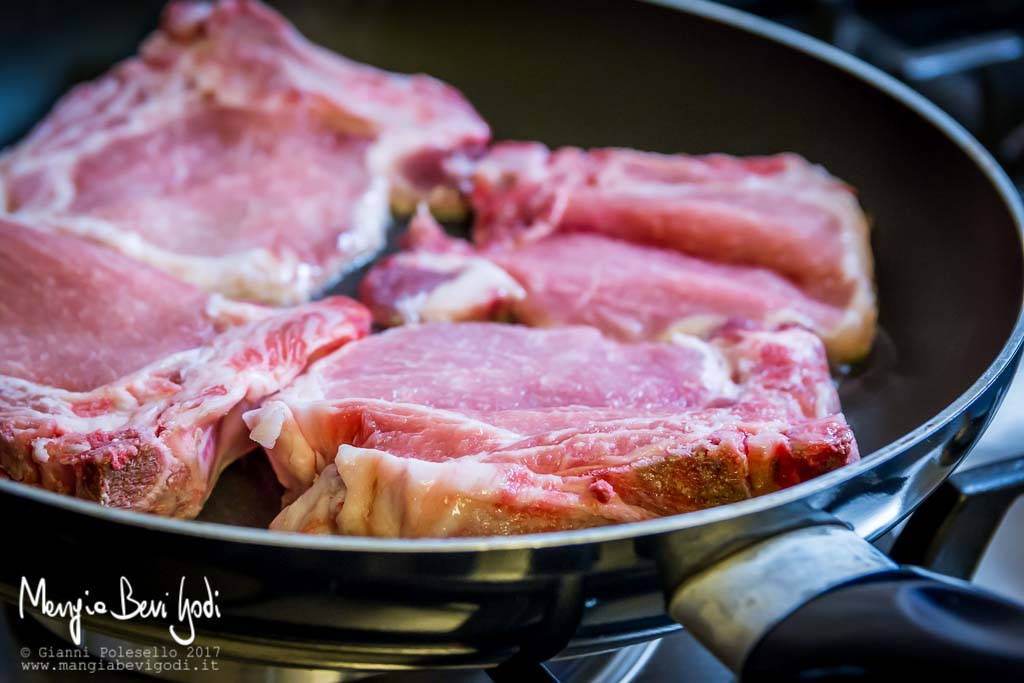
(226, 181)
(66, 323)
(629, 291)
(636, 292)
(122, 385)
(456, 429)
(777, 213)
(236, 155)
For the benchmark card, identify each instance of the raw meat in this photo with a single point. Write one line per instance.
(456, 429)
(236, 155)
(125, 386)
(778, 213)
(629, 291)
(436, 278)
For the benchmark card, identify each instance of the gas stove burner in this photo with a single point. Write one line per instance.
(51, 635)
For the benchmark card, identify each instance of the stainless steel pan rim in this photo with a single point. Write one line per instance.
(793, 39)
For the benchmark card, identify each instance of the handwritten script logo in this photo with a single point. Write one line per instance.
(128, 607)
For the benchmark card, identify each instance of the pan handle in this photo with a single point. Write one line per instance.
(907, 623)
(822, 603)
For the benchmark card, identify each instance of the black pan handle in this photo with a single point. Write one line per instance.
(911, 622)
(908, 624)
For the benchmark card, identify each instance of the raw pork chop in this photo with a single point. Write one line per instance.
(629, 291)
(778, 213)
(123, 385)
(238, 156)
(456, 429)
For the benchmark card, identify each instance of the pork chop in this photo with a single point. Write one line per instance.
(122, 385)
(778, 213)
(629, 291)
(238, 156)
(464, 429)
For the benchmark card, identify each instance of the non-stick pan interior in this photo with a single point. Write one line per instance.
(602, 73)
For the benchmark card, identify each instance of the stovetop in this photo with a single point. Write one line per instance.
(968, 57)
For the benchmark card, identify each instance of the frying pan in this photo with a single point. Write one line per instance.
(779, 585)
